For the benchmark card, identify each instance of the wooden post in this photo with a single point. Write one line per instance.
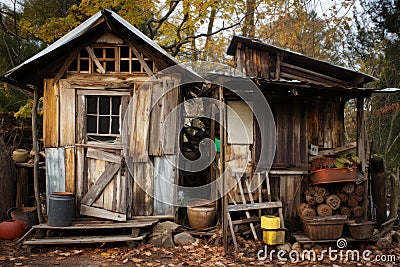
(379, 188)
(224, 209)
(361, 149)
(36, 150)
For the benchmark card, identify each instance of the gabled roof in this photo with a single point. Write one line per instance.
(51, 58)
(297, 62)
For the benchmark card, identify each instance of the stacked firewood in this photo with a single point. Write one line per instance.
(344, 200)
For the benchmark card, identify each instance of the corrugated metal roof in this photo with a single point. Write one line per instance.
(24, 73)
(306, 62)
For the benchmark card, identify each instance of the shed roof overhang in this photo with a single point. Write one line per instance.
(46, 63)
(299, 67)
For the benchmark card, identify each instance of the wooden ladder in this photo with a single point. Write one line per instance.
(247, 207)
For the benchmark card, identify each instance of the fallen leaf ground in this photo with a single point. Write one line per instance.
(198, 254)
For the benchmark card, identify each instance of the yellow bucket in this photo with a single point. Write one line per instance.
(276, 237)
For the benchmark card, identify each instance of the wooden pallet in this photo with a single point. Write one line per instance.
(82, 240)
(89, 230)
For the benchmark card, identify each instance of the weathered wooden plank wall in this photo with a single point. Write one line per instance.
(291, 134)
(142, 203)
(140, 121)
(325, 123)
(67, 114)
(51, 97)
(290, 195)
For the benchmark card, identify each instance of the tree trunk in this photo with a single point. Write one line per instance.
(7, 181)
(248, 23)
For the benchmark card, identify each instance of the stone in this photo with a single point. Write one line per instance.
(162, 240)
(183, 239)
(165, 227)
(286, 247)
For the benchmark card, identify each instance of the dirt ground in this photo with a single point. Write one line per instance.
(198, 254)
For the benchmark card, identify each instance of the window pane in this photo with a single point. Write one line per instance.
(91, 105)
(104, 125)
(73, 66)
(98, 52)
(115, 125)
(110, 52)
(116, 103)
(136, 66)
(104, 105)
(124, 66)
(110, 66)
(124, 52)
(91, 124)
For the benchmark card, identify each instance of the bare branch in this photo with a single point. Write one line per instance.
(172, 6)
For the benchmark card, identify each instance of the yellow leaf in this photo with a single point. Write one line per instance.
(60, 258)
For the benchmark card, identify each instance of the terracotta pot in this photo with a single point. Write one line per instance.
(20, 155)
(12, 229)
(201, 217)
(333, 175)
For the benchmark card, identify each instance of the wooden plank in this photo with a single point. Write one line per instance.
(67, 114)
(239, 123)
(102, 155)
(100, 184)
(290, 195)
(83, 240)
(106, 225)
(102, 213)
(70, 169)
(170, 119)
(164, 185)
(50, 114)
(143, 177)
(95, 59)
(109, 191)
(140, 120)
(156, 121)
(55, 170)
(80, 172)
(255, 206)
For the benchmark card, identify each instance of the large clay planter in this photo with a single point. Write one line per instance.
(12, 229)
(20, 155)
(201, 213)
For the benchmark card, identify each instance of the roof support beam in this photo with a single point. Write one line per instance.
(95, 60)
(141, 60)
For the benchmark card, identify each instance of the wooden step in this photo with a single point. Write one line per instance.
(255, 206)
(82, 240)
(83, 225)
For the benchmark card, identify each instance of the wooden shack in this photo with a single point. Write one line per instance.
(307, 99)
(87, 80)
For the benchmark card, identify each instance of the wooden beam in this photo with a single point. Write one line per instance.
(95, 60)
(255, 206)
(141, 60)
(36, 150)
(102, 155)
(329, 78)
(66, 64)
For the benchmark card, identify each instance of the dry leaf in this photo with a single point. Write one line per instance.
(105, 254)
(60, 258)
(136, 260)
(3, 258)
(125, 260)
(147, 253)
(18, 264)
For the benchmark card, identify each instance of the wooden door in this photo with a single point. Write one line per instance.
(102, 183)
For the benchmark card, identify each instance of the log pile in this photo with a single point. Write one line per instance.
(344, 199)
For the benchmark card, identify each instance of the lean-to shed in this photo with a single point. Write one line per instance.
(87, 79)
(307, 99)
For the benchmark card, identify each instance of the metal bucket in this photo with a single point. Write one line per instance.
(61, 209)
